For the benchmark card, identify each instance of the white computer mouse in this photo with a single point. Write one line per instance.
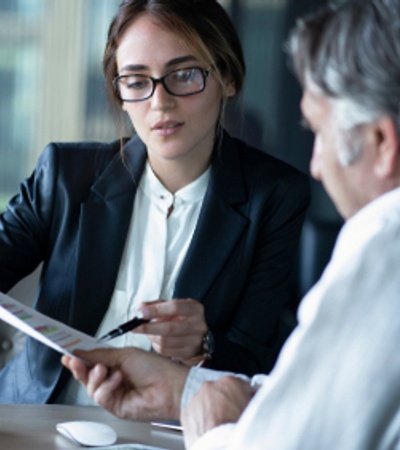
(90, 434)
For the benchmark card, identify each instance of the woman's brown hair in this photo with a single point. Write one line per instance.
(203, 25)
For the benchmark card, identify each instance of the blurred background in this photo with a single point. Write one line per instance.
(51, 89)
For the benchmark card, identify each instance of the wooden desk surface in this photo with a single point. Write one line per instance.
(33, 427)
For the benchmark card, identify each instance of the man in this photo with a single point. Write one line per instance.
(336, 384)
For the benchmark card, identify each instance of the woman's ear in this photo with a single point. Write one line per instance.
(230, 89)
(387, 148)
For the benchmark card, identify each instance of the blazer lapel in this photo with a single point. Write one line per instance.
(221, 223)
(103, 227)
(105, 220)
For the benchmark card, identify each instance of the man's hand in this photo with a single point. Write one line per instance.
(176, 329)
(216, 403)
(131, 383)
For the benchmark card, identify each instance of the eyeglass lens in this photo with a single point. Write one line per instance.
(179, 82)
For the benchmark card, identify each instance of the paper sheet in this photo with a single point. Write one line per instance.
(55, 334)
(131, 447)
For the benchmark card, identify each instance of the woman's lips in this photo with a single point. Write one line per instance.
(167, 128)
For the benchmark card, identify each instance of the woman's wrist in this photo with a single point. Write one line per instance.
(205, 355)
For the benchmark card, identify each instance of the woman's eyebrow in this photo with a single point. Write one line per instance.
(133, 68)
(180, 60)
(171, 63)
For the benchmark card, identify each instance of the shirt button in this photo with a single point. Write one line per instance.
(6, 345)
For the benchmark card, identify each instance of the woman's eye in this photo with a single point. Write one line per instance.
(136, 84)
(183, 76)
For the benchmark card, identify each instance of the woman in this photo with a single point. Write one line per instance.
(181, 211)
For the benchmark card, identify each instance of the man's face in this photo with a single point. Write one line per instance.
(347, 185)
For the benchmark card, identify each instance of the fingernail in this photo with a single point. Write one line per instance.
(144, 314)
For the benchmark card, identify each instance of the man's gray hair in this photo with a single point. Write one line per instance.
(351, 52)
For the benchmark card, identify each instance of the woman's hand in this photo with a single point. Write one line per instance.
(130, 382)
(177, 327)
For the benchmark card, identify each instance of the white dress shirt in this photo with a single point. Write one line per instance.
(336, 384)
(159, 235)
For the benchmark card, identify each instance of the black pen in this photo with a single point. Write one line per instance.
(122, 329)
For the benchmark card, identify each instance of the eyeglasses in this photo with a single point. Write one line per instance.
(180, 83)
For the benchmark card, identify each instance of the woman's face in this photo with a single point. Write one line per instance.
(179, 129)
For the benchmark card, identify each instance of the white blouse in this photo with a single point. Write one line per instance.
(158, 238)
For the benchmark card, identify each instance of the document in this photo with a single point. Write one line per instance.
(130, 447)
(170, 424)
(54, 334)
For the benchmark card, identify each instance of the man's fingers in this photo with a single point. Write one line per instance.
(95, 378)
(105, 392)
(65, 360)
(77, 367)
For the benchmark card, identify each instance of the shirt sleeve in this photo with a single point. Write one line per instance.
(219, 437)
(215, 439)
(197, 376)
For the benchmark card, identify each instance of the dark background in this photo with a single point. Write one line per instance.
(268, 116)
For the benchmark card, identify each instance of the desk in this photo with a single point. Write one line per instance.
(33, 427)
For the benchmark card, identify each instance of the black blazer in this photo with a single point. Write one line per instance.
(73, 215)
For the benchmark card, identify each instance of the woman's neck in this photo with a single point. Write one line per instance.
(174, 175)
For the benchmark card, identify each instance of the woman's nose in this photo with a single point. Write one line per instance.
(161, 99)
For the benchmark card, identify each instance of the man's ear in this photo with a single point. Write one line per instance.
(388, 150)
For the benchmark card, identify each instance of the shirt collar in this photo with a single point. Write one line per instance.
(368, 221)
(156, 191)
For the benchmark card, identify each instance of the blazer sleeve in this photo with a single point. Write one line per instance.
(25, 225)
(46, 209)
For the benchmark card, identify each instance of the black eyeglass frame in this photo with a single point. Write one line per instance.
(204, 72)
